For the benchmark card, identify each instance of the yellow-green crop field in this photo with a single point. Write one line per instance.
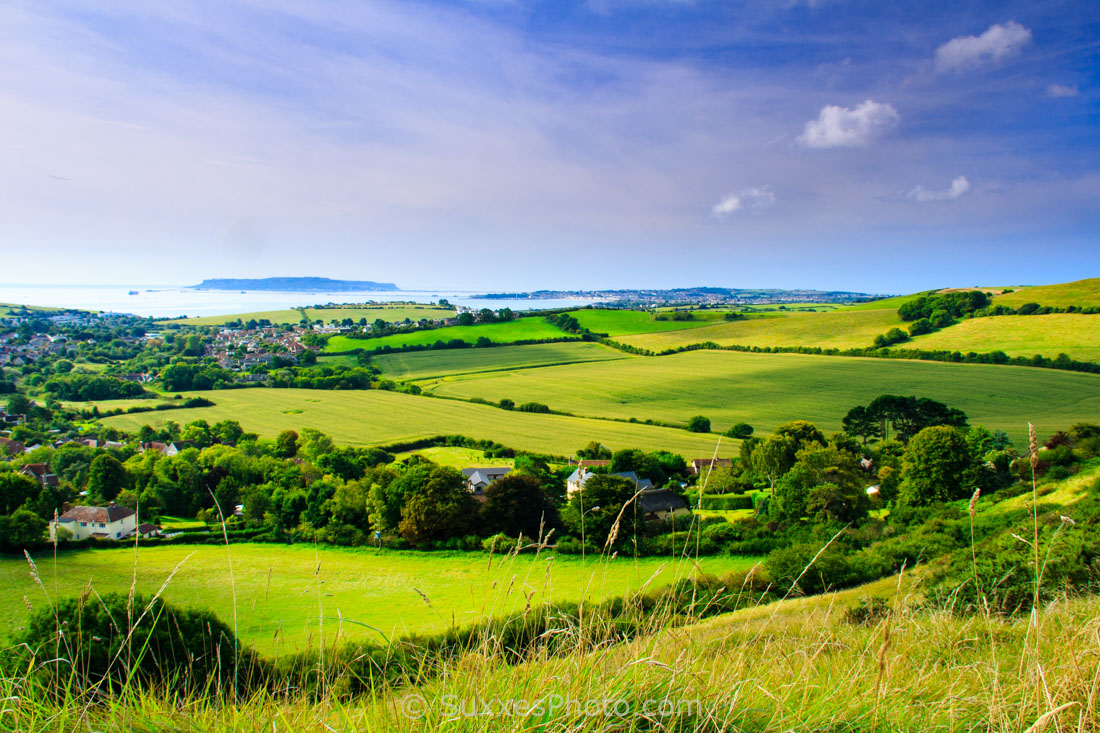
(843, 329)
(376, 417)
(287, 315)
(413, 365)
(385, 311)
(766, 390)
(1082, 293)
(624, 322)
(285, 594)
(1071, 333)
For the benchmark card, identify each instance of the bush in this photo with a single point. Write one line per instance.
(187, 651)
(533, 407)
(698, 424)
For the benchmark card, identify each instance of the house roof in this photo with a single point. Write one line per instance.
(593, 463)
(718, 462)
(484, 475)
(7, 445)
(105, 514)
(146, 528)
(661, 500)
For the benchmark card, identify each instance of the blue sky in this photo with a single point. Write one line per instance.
(871, 146)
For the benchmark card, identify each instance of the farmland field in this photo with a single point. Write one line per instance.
(1072, 333)
(521, 329)
(1082, 293)
(835, 329)
(396, 312)
(376, 417)
(281, 590)
(768, 389)
(414, 365)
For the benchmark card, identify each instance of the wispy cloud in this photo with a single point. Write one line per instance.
(753, 200)
(844, 127)
(999, 42)
(1061, 91)
(959, 187)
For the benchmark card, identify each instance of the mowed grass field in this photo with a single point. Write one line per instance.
(766, 390)
(841, 329)
(285, 593)
(376, 417)
(1072, 333)
(623, 322)
(413, 365)
(521, 329)
(1082, 293)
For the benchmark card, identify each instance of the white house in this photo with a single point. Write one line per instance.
(579, 478)
(102, 522)
(479, 478)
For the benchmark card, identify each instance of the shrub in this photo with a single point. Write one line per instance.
(698, 424)
(185, 650)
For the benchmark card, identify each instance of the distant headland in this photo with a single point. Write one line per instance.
(293, 284)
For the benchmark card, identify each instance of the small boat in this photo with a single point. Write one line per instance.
(133, 292)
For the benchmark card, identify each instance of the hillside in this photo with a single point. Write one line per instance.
(1081, 293)
(1050, 335)
(766, 390)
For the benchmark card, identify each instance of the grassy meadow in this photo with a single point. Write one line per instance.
(1082, 293)
(285, 593)
(415, 365)
(766, 390)
(376, 417)
(1071, 333)
(842, 329)
(456, 457)
(522, 329)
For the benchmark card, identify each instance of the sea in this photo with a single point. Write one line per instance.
(169, 301)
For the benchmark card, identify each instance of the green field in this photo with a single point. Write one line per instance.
(387, 312)
(1071, 333)
(7, 308)
(521, 329)
(842, 329)
(768, 389)
(281, 590)
(1082, 293)
(414, 365)
(623, 322)
(376, 417)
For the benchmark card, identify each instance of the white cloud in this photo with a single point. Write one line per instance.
(959, 187)
(843, 127)
(997, 43)
(1060, 91)
(754, 199)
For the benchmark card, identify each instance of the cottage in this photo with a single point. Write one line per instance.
(101, 522)
(9, 447)
(661, 504)
(702, 465)
(41, 473)
(477, 479)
